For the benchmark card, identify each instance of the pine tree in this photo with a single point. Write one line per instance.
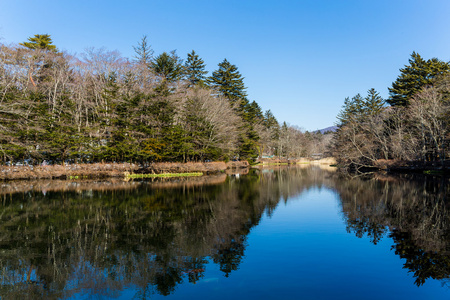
(167, 66)
(229, 82)
(413, 77)
(351, 109)
(373, 102)
(269, 120)
(194, 69)
(40, 41)
(144, 52)
(252, 113)
(358, 108)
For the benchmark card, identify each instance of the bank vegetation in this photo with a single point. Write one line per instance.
(99, 106)
(408, 131)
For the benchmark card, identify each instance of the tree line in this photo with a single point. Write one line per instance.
(100, 106)
(410, 127)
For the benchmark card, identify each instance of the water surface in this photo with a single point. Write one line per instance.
(285, 233)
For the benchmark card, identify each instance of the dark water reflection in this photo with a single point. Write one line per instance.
(415, 209)
(64, 239)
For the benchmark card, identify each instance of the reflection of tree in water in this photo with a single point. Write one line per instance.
(423, 264)
(414, 207)
(150, 237)
(229, 255)
(154, 236)
(363, 225)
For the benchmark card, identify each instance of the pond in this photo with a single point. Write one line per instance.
(279, 233)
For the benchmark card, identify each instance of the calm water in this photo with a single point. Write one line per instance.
(287, 233)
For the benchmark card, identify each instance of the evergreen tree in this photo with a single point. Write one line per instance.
(229, 82)
(269, 120)
(358, 108)
(252, 112)
(373, 102)
(167, 66)
(413, 77)
(144, 52)
(351, 109)
(194, 69)
(40, 41)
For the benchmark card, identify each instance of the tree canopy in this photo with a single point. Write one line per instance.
(358, 108)
(144, 52)
(194, 69)
(417, 74)
(228, 81)
(168, 66)
(40, 41)
(102, 107)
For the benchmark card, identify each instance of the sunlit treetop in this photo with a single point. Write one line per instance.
(414, 76)
(40, 41)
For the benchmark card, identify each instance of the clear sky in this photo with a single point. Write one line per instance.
(300, 59)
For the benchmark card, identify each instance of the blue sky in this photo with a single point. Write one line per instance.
(300, 59)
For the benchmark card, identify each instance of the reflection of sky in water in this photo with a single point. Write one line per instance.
(303, 251)
(121, 240)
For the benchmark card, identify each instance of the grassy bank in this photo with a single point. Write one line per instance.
(299, 161)
(163, 175)
(116, 170)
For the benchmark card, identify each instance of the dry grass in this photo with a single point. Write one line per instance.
(326, 161)
(302, 160)
(277, 161)
(164, 175)
(190, 167)
(75, 171)
(237, 164)
(113, 184)
(113, 170)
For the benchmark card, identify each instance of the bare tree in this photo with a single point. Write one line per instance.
(428, 111)
(211, 118)
(144, 52)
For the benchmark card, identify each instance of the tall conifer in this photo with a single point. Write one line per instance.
(194, 69)
(144, 52)
(40, 41)
(167, 66)
(413, 77)
(229, 82)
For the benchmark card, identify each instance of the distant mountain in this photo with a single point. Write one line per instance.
(328, 129)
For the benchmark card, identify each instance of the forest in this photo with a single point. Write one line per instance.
(409, 130)
(99, 106)
(102, 107)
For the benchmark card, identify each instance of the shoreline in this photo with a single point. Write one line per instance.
(45, 186)
(396, 166)
(129, 171)
(114, 170)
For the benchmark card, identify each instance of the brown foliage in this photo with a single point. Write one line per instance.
(98, 170)
(112, 184)
(190, 167)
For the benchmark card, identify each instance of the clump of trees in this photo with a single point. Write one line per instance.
(100, 106)
(415, 128)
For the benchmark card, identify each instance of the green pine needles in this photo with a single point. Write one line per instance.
(418, 74)
(228, 81)
(40, 41)
(194, 70)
